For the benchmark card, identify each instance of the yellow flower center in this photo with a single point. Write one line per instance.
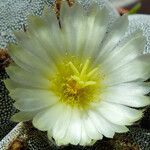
(77, 83)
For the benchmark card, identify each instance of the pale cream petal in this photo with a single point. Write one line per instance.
(76, 25)
(96, 27)
(46, 33)
(102, 125)
(20, 63)
(46, 119)
(51, 41)
(113, 37)
(11, 85)
(138, 69)
(37, 23)
(30, 43)
(119, 128)
(126, 51)
(85, 139)
(119, 114)
(130, 94)
(93, 133)
(28, 61)
(61, 126)
(73, 134)
(132, 101)
(30, 100)
(73, 27)
(111, 126)
(43, 38)
(23, 116)
(130, 88)
(25, 78)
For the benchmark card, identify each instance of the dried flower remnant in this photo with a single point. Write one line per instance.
(57, 8)
(5, 59)
(18, 145)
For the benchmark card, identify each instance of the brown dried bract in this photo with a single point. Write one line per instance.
(18, 145)
(57, 8)
(123, 11)
(70, 2)
(59, 2)
(5, 59)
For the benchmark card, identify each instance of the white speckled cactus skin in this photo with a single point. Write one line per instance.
(13, 15)
(121, 3)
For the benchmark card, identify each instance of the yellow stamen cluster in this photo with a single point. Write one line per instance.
(77, 83)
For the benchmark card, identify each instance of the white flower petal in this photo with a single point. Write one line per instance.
(73, 134)
(132, 101)
(29, 100)
(119, 128)
(131, 88)
(23, 116)
(48, 37)
(138, 69)
(28, 43)
(101, 124)
(126, 51)
(119, 114)
(11, 85)
(73, 23)
(130, 94)
(77, 24)
(61, 126)
(113, 127)
(46, 119)
(113, 37)
(23, 57)
(96, 28)
(51, 40)
(85, 139)
(25, 78)
(93, 133)
(36, 22)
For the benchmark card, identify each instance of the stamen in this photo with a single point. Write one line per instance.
(88, 83)
(79, 84)
(74, 69)
(92, 72)
(75, 78)
(83, 71)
